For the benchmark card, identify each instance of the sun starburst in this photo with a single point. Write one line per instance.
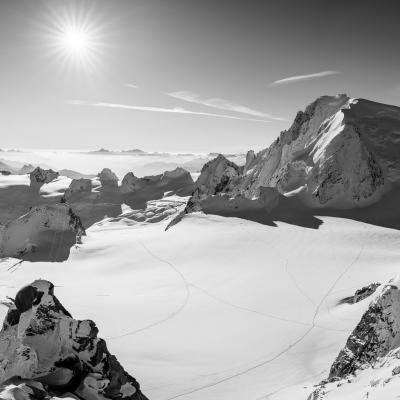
(75, 38)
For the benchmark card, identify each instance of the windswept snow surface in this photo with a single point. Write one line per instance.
(219, 308)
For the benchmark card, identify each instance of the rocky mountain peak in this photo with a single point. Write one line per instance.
(108, 179)
(339, 153)
(38, 177)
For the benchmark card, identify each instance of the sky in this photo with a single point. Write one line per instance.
(185, 75)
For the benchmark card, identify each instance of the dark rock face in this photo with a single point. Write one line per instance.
(45, 352)
(361, 294)
(108, 180)
(81, 186)
(218, 176)
(39, 177)
(179, 181)
(375, 335)
(76, 224)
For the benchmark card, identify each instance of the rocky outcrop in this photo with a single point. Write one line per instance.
(178, 181)
(376, 334)
(131, 183)
(38, 177)
(361, 294)
(108, 180)
(371, 354)
(30, 234)
(217, 177)
(45, 352)
(78, 187)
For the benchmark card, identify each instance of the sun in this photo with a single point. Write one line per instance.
(75, 38)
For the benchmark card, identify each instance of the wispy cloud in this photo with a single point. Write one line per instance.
(131, 85)
(175, 110)
(221, 104)
(298, 78)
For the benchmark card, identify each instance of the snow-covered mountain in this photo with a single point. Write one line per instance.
(283, 299)
(46, 353)
(339, 153)
(51, 228)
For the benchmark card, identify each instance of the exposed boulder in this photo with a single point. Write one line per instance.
(45, 352)
(179, 181)
(38, 177)
(77, 187)
(108, 180)
(130, 183)
(361, 294)
(177, 173)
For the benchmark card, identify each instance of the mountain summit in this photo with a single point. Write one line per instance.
(340, 153)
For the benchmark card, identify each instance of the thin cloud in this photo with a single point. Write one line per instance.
(221, 104)
(299, 78)
(175, 110)
(131, 85)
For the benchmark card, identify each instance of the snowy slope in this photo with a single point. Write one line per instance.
(44, 229)
(220, 308)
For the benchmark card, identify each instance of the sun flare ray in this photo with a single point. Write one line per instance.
(75, 39)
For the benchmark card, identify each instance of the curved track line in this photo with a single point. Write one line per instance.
(250, 310)
(242, 308)
(172, 314)
(284, 351)
(300, 290)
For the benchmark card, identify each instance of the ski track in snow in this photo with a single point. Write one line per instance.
(207, 293)
(299, 289)
(172, 314)
(284, 351)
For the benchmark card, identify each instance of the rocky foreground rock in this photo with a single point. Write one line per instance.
(46, 354)
(371, 353)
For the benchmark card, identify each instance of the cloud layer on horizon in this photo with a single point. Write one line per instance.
(221, 104)
(298, 78)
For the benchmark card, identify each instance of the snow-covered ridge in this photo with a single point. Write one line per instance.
(46, 353)
(339, 153)
(29, 233)
(42, 221)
